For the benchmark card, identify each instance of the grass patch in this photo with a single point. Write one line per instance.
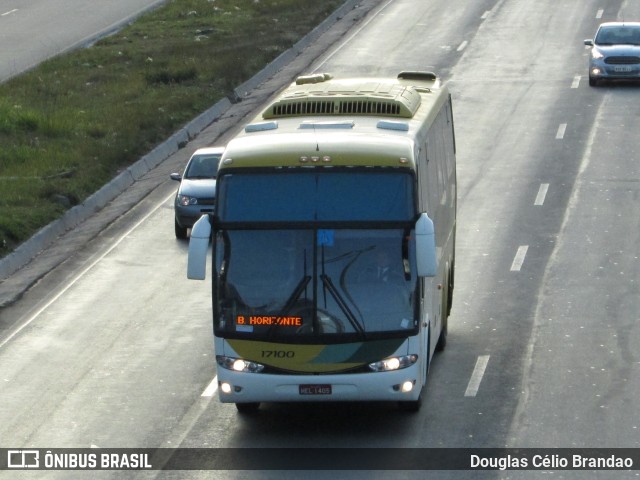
(68, 126)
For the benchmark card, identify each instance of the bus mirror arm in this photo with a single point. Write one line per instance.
(198, 247)
(425, 247)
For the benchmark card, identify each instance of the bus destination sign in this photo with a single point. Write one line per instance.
(269, 320)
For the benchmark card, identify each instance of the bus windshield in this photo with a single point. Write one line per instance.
(371, 194)
(306, 285)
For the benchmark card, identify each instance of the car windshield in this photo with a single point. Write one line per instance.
(307, 284)
(618, 35)
(203, 166)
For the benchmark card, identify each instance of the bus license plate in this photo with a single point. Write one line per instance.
(315, 389)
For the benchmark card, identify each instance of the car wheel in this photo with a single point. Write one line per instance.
(181, 232)
(248, 408)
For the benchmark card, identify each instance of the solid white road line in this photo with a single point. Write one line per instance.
(9, 12)
(211, 389)
(476, 376)
(353, 35)
(83, 273)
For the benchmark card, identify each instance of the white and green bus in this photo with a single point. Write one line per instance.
(334, 243)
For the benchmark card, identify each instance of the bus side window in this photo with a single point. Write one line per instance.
(441, 126)
(450, 146)
(433, 185)
(423, 187)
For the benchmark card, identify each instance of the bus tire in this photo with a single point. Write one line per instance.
(442, 340)
(248, 408)
(450, 286)
(444, 313)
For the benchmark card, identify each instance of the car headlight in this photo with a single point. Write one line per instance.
(186, 200)
(239, 364)
(596, 54)
(393, 363)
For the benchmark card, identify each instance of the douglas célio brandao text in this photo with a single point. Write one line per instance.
(550, 462)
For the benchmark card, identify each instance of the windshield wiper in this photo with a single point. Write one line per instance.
(302, 284)
(326, 281)
(291, 301)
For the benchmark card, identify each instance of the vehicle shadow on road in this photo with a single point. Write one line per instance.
(310, 424)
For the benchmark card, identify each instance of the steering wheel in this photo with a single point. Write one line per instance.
(369, 274)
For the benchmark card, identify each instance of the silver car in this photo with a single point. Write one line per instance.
(197, 191)
(615, 52)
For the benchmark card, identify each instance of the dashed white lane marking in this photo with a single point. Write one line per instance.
(211, 389)
(576, 81)
(463, 45)
(519, 258)
(542, 194)
(476, 376)
(485, 15)
(9, 12)
(561, 130)
(599, 13)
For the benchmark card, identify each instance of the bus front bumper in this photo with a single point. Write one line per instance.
(399, 385)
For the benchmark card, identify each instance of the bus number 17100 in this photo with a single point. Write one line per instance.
(278, 354)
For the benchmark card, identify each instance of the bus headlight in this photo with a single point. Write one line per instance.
(393, 363)
(239, 364)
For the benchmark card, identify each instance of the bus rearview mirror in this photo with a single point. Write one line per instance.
(198, 247)
(425, 247)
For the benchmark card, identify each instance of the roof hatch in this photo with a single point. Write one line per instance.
(321, 95)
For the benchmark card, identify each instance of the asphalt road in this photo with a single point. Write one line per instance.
(33, 30)
(114, 348)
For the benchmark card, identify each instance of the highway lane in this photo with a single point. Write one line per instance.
(585, 328)
(33, 30)
(546, 283)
